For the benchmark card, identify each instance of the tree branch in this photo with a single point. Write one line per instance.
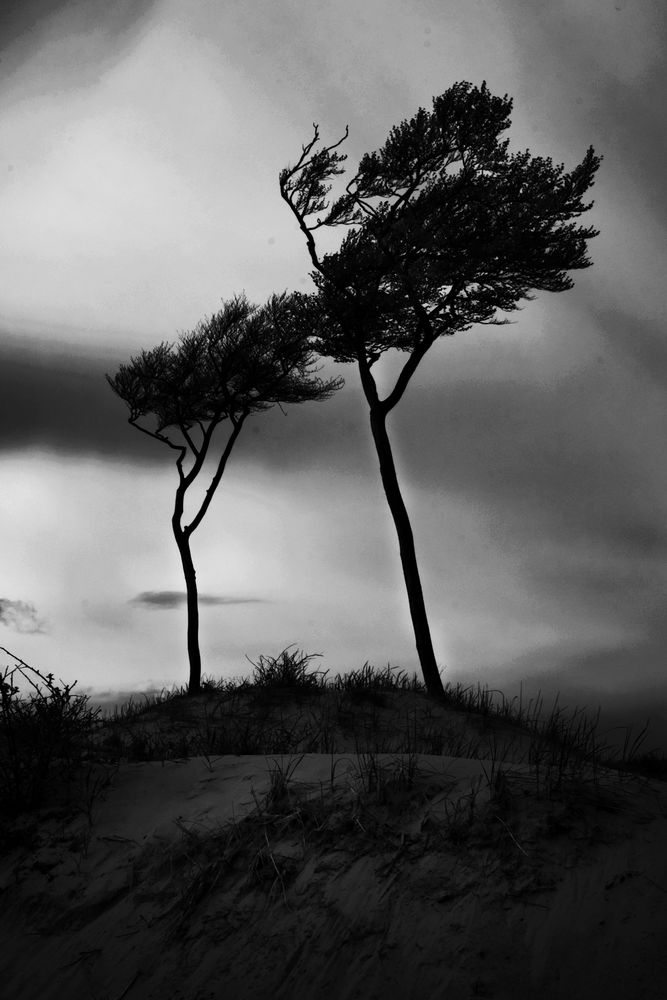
(314, 191)
(310, 241)
(406, 373)
(194, 524)
(186, 435)
(200, 455)
(367, 380)
(409, 368)
(161, 437)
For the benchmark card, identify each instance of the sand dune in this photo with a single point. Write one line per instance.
(346, 874)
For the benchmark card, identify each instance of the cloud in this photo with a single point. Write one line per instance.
(21, 616)
(639, 342)
(573, 453)
(175, 598)
(55, 396)
(49, 33)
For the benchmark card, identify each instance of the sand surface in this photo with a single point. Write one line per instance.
(384, 875)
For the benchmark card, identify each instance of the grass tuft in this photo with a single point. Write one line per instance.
(287, 670)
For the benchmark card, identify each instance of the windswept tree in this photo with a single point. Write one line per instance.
(445, 229)
(240, 361)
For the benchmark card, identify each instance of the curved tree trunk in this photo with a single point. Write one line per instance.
(194, 655)
(408, 555)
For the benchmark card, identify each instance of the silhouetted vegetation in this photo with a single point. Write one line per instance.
(240, 361)
(45, 732)
(55, 747)
(445, 229)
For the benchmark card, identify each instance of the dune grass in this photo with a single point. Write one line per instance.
(483, 796)
(52, 739)
(541, 774)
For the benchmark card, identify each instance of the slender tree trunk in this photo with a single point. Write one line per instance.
(408, 555)
(194, 655)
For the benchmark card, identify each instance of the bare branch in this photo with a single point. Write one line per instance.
(157, 435)
(200, 455)
(196, 521)
(306, 194)
(188, 438)
(406, 373)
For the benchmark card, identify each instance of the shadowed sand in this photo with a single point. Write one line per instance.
(356, 864)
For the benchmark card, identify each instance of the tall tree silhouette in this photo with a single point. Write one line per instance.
(446, 229)
(240, 361)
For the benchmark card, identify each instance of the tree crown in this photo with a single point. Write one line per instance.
(446, 227)
(242, 359)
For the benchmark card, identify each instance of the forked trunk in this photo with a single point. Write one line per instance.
(194, 655)
(408, 556)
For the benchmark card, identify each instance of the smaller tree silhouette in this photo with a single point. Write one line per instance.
(242, 360)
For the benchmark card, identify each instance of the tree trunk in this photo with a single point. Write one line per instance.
(408, 555)
(194, 655)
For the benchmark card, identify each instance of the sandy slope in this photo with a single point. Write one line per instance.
(367, 889)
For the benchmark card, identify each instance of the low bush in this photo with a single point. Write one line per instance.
(44, 734)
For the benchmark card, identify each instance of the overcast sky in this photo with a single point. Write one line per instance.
(140, 144)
